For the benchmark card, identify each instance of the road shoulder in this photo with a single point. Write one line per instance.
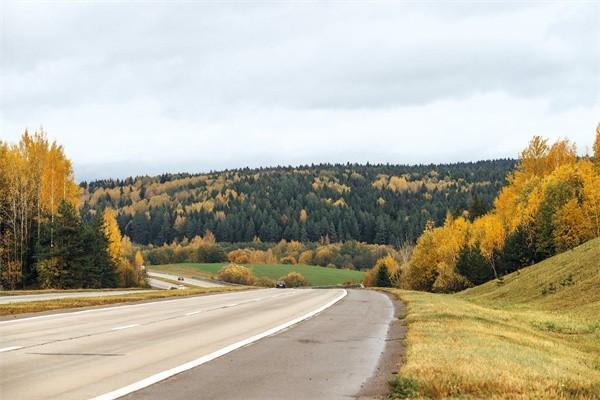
(377, 387)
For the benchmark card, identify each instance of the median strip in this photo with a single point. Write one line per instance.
(209, 357)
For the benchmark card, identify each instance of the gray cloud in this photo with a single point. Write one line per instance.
(223, 72)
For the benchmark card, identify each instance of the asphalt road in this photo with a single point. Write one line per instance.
(81, 355)
(330, 356)
(188, 281)
(158, 284)
(52, 296)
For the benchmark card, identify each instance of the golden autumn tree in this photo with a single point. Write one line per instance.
(36, 176)
(551, 203)
(113, 234)
(120, 250)
(597, 147)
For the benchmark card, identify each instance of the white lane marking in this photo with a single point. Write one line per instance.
(10, 348)
(113, 308)
(235, 304)
(115, 394)
(118, 328)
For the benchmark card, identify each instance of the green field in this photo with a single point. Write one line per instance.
(316, 276)
(533, 335)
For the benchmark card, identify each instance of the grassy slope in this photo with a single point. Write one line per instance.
(510, 340)
(317, 276)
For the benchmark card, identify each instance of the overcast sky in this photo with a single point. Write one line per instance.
(149, 87)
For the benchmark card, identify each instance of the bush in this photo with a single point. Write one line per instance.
(294, 279)
(234, 273)
(289, 260)
(239, 256)
(211, 254)
(306, 257)
(385, 273)
(264, 281)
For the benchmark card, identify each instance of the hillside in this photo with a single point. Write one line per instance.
(386, 204)
(568, 282)
(535, 335)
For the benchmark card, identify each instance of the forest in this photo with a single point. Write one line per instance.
(378, 204)
(426, 227)
(44, 241)
(551, 204)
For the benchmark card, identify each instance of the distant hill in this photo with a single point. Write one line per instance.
(386, 204)
(569, 282)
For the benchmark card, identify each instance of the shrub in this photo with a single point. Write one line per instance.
(294, 279)
(234, 273)
(239, 256)
(306, 257)
(211, 254)
(289, 260)
(264, 281)
(385, 273)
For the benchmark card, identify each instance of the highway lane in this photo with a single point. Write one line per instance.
(52, 296)
(188, 281)
(331, 356)
(158, 284)
(79, 355)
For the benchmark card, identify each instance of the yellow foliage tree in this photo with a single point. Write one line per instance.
(139, 260)
(113, 234)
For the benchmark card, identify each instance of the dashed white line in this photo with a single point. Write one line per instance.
(194, 312)
(118, 328)
(10, 348)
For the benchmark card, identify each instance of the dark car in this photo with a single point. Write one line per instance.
(280, 285)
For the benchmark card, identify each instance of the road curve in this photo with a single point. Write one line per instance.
(187, 281)
(89, 353)
(52, 296)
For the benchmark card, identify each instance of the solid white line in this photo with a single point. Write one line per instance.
(10, 348)
(204, 359)
(118, 328)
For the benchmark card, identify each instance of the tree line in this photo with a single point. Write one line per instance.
(44, 241)
(550, 204)
(379, 204)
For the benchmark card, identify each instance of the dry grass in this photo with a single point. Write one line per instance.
(46, 291)
(509, 340)
(56, 304)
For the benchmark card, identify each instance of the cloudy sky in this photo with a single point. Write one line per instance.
(148, 87)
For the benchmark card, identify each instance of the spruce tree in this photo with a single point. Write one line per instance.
(472, 265)
(518, 252)
(383, 277)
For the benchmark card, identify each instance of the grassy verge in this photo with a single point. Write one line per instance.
(457, 348)
(317, 276)
(535, 334)
(55, 304)
(47, 291)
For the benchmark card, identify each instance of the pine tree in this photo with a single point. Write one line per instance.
(61, 255)
(383, 277)
(518, 252)
(381, 233)
(100, 269)
(472, 265)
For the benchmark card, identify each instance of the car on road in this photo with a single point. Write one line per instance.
(180, 278)
(280, 285)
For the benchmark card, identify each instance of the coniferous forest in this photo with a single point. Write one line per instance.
(382, 204)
